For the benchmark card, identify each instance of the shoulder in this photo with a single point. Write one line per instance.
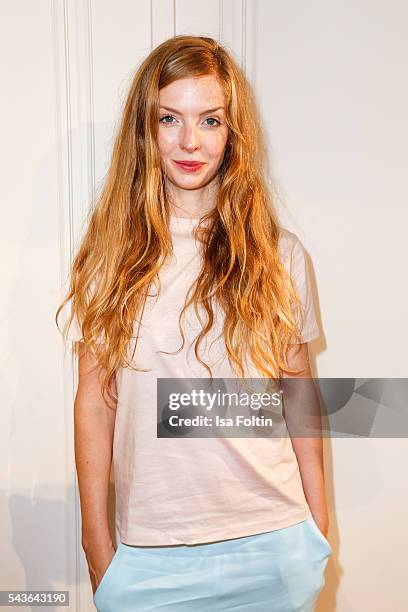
(295, 261)
(290, 247)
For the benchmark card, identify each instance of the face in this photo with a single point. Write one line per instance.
(193, 130)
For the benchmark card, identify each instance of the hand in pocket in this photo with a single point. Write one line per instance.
(99, 559)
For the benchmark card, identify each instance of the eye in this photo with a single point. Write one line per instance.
(166, 117)
(213, 119)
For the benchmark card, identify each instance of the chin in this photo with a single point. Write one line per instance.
(187, 182)
(189, 186)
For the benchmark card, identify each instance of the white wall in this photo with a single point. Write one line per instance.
(329, 80)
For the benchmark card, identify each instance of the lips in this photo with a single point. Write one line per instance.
(189, 165)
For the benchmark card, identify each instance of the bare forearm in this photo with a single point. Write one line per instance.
(94, 429)
(309, 454)
(302, 416)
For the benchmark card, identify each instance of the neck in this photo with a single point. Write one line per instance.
(192, 203)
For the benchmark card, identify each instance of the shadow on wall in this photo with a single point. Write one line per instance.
(42, 544)
(327, 598)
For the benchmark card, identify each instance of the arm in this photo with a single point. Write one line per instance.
(94, 423)
(309, 450)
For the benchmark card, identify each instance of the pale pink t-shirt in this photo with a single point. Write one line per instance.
(196, 490)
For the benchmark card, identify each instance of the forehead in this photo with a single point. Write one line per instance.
(193, 94)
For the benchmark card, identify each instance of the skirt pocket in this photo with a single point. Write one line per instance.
(319, 534)
(105, 578)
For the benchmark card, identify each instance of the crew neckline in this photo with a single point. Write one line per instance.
(183, 224)
(184, 218)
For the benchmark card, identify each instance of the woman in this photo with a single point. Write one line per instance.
(184, 272)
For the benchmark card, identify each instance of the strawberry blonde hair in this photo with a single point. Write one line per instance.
(128, 239)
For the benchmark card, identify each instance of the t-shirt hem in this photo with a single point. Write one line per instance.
(206, 537)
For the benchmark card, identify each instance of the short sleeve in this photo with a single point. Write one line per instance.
(294, 257)
(74, 331)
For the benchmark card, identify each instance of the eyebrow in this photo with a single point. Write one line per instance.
(210, 110)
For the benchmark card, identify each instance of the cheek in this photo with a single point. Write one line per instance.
(215, 144)
(166, 141)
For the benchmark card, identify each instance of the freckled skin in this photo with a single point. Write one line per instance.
(190, 135)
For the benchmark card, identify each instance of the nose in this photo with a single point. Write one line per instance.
(189, 140)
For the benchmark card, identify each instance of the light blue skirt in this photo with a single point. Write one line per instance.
(276, 571)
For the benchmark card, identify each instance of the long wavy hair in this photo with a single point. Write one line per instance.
(128, 238)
